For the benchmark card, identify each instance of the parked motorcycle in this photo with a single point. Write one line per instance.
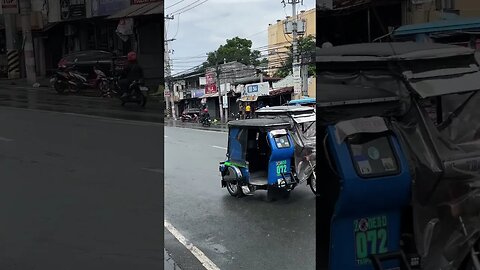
(69, 78)
(60, 80)
(186, 117)
(137, 94)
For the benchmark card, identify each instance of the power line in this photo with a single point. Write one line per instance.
(178, 26)
(174, 4)
(188, 7)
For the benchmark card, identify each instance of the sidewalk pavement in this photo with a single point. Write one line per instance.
(170, 122)
(41, 82)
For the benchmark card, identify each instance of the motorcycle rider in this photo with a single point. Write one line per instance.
(132, 72)
(205, 114)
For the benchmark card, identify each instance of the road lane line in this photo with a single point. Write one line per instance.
(219, 147)
(206, 262)
(196, 129)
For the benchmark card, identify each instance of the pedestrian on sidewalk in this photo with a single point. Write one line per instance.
(240, 110)
(248, 111)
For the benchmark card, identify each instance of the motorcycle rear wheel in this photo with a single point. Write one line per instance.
(59, 87)
(143, 101)
(313, 184)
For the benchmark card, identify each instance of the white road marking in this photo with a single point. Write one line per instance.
(3, 139)
(153, 170)
(219, 147)
(199, 130)
(206, 262)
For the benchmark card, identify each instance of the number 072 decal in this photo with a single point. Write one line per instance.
(371, 237)
(281, 167)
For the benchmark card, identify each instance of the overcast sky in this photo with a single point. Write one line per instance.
(204, 28)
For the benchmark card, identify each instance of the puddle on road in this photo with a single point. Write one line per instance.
(219, 248)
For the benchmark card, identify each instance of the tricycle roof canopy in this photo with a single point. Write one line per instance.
(389, 51)
(285, 109)
(260, 123)
(402, 68)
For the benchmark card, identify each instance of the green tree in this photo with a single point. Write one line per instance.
(306, 48)
(236, 49)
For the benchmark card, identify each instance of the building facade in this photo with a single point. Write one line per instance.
(279, 41)
(347, 21)
(60, 27)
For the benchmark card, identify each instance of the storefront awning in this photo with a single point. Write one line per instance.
(249, 98)
(139, 10)
(281, 91)
(451, 26)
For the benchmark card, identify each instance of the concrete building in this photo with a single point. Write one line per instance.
(355, 21)
(431, 11)
(278, 41)
(61, 27)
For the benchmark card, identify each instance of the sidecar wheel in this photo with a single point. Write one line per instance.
(234, 189)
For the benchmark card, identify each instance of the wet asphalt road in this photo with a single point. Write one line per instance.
(21, 96)
(78, 192)
(234, 233)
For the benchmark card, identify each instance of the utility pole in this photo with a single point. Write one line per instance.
(297, 88)
(304, 76)
(167, 75)
(225, 107)
(220, 97)
(25, 11)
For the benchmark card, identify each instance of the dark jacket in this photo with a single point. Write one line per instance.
(132, 72)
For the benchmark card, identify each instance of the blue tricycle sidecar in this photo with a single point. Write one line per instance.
(259, 156)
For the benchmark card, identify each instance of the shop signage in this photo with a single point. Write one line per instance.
(136, 2)
(211, 89)
(225, 102)
(256, 89)
(196, 93)
(72, 9)
(10, 6)
(210, 78)
(108, 7)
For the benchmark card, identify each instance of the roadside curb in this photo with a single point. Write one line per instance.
(179, 124)
(41, 83)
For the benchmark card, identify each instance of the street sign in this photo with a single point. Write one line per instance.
(256, 89)
(9, 6)
(225, 102)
